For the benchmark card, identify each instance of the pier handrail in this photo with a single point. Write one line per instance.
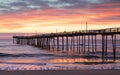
(80, 32)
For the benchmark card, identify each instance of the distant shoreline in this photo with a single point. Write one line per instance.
(62, 72)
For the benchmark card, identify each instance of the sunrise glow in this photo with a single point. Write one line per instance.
(61, 15)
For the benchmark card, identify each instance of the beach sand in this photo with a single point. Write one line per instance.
(66, 72)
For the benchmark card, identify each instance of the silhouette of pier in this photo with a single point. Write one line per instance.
(81, 42)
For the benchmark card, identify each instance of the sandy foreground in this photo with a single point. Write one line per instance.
(70, 72)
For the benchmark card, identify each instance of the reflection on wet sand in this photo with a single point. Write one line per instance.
(79, 60)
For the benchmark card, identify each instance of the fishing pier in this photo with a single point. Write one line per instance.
(80, 42)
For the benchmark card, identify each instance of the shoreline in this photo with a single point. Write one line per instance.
(61, 72)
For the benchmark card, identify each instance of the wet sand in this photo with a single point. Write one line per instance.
(62, 72)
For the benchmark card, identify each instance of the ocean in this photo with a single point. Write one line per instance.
(23, 57)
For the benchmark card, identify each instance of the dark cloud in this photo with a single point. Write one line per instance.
(22, 5)
(113, 18)
(18, 4)
(114, 1)
(108, 18)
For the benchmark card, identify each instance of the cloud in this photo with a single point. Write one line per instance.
(108, 19)
(30, 13)
(23, 5)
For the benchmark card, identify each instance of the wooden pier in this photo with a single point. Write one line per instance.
(80, 42)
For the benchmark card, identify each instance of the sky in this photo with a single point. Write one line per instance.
(45, 16)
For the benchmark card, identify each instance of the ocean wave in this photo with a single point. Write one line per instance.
(24, 55)
(24, 63)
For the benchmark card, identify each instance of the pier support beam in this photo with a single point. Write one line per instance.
(114, 46)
